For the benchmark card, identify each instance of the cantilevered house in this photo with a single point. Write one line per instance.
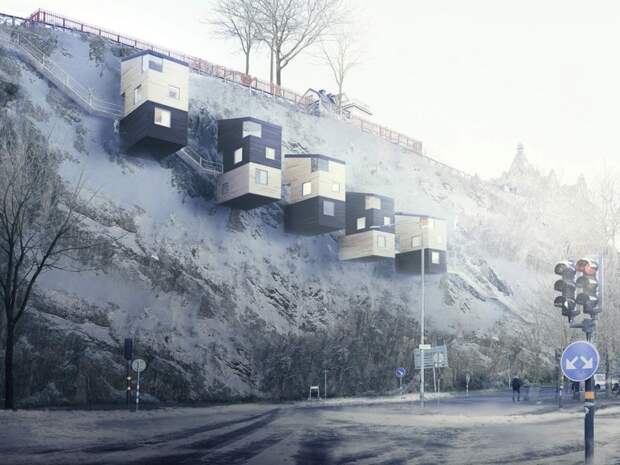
(251, 151)
(155, 103)
(415, 233)
(369, 227)
(315, 186)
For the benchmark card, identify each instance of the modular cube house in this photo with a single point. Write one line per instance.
(251, 151)
(315, 186)
(369, 228)
(155, 103)
(416, 233)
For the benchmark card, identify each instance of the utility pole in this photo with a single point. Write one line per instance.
(325, 383)
(422, 304)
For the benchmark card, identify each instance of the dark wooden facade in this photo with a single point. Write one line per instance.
(307, 218)
(230, 138)
(411, 262)
(375, 218)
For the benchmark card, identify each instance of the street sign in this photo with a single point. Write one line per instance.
(424, 347)
(401, 372)
(436, 357)
(138, 365)
(579, 361)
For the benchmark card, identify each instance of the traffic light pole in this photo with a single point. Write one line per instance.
(422, 326)
(589, 405)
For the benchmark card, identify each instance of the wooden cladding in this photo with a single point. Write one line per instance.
(309, 176)
(417, 231)
(369, 245)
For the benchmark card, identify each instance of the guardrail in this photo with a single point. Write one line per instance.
(203, 165)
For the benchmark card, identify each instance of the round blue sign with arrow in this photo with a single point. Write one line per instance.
(580, 361)
(401, 372)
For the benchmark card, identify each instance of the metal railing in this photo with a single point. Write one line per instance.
(203, 165)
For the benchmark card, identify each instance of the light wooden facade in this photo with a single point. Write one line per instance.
(250, 184)
(368, 245)
(155, 90)
(415, 233)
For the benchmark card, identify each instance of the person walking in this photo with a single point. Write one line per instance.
(516, 389)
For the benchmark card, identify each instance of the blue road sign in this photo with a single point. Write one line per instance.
(579, 361)
(401, 372)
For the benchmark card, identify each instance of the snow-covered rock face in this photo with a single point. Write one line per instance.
(197, 285)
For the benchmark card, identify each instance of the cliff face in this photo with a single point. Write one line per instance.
(204, 290)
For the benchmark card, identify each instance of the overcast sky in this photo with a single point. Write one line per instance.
(469, 78)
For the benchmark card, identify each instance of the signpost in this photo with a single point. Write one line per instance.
(400, 374)
(467, 379)
(138, 365)
(429, 354)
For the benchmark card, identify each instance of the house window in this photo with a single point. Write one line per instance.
(435, 258)
(361, 223)
(270, 153)
(336, 187)
(373, 202)
(261, 177)
(250, 128)
(381, 242)
(162, 117)
(387, 221)
(238, 155)
(174, 92)
(151, 62)
(137, 94)
(225, 188)
(319, 164)
(416, 242)
(329, 208)
(306, 189)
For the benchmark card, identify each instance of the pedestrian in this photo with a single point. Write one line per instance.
(516, 389)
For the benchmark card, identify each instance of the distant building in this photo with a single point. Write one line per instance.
(369, 227)
(251, 151)
(155, 95)
(316, 194)
(415, 232)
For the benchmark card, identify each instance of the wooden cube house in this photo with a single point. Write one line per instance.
(251, 151)
(369, 228)
(155, 103)
(315, 186)
(415, 233)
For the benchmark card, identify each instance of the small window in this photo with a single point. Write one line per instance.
(387, 221)
(270, 153)
(329, 208)
(225, 188)
(151, 62)
(435, 258)
(174, 92)
(336, 187)
(137, 94)
(416, 242)
(373, 202)
(250, 128)
(261, 177)
(319, 164)
(238, 155)
(361, 223)
(162, 117)
(381, 242)
(306, 189)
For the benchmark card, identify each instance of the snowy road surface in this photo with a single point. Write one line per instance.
(481, 429)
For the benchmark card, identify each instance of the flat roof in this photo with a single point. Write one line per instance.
(314, 155)
(155, 54)
(419, 215)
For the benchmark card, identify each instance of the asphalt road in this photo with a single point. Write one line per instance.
(480, 429)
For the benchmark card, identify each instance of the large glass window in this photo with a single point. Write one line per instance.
(162, 117)
(238, 155)
(261, 177)
(435, 258)
(329, 208)
(381, 242)
(319, 164)
(151, 62)
(250, 128)
(336, 187)
(174, 92)
(387, 221)
(270, 153)
(306, 188)
(361, 223)
(373, 202)
(137, 95)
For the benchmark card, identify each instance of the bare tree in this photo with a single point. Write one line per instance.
(289, 27)
(341, 52)
(236, 19)
(39, 226)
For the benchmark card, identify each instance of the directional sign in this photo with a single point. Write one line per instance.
(138, 365)
(435, 357)
(401, 372)
(579, 361)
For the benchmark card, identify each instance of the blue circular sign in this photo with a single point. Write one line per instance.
(401, 372)
(579, 361)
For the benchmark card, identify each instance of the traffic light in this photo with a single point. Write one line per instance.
(566, 285)
(588, 285)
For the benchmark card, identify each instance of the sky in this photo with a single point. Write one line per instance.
(470, 79)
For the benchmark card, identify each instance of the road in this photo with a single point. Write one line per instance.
(480, 429)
